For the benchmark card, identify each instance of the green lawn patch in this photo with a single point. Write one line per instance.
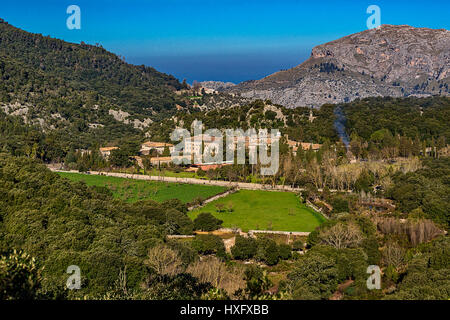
(162, 173)
(133, 190)
(264, 210)
(169, 173)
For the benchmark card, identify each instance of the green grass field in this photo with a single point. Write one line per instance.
(162, 173)
(134, 190)
(168, 173)
(263, 210)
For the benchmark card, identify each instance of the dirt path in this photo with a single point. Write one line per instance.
(339, 294)
(213, 198)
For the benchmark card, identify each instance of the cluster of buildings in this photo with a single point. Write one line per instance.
(159, 153)
(295, 145)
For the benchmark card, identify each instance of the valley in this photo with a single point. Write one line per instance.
(90, 175)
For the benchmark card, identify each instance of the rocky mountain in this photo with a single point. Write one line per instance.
(217, 85)
(395, 61)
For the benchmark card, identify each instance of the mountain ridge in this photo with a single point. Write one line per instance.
(390, 61)
(56, 79)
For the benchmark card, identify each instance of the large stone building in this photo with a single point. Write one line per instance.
(106, 151)
(146, 147)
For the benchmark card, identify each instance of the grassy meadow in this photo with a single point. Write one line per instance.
(132, 190)
(263, 210)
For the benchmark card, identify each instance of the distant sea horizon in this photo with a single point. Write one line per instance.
(234, 68)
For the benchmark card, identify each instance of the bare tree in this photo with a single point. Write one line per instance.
(394, 255)
(315, 172)
(341, 236)
(419, 231)
(214, 271)
(164, 260)
(423, 231)
(220, 207)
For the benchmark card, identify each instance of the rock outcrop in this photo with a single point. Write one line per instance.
(389, 61)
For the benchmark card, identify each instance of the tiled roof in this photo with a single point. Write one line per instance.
(161, 159)
(152, 144)
(108, 148)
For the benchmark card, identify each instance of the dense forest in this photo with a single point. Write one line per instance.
(424, 119)
(64, 223)
(51, 72)
(70, 89)
(48, 223)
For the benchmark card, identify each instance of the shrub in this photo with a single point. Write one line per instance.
(175, 204)
(20, 277)
(205, 221)
(198, 201)
(257, 282)
(314, 277)
(285, 251)
(213, 270)
(296, 255)
(220, 207)
(339, 205)
(313, 237)
(370, 246)
(298, 245)
(181, 286)
(186, 252)
(244, 248)
(365, 181)
(178, 223)
(209, 244)
(270, 251)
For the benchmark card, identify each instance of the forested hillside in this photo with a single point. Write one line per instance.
(22, 139)
(421, 120)
(82, 92)
(65, 223)
(40, 69)
(425, 119)
(258, 114)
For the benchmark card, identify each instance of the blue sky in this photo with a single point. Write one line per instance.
(228, 40)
